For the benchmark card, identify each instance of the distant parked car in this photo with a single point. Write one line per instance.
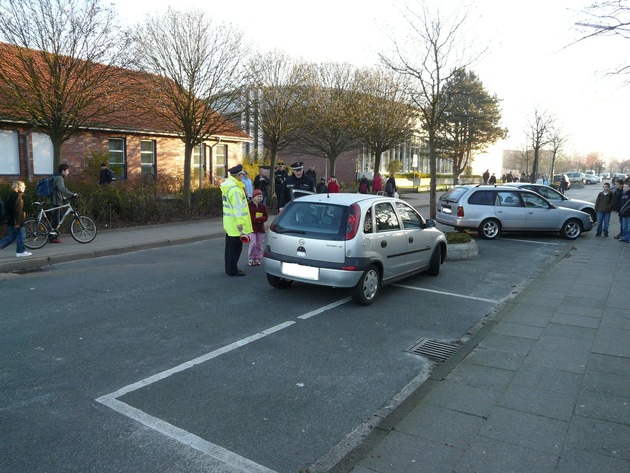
(577, 177)
(491, 210)
(558, 198)
(355, 241)
(592, 179)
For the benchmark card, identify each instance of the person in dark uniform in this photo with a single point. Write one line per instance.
(297, 180)
(279, 178)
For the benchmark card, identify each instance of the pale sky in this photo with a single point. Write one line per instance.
(527, 63)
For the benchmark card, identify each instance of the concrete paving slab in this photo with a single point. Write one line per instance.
(463, 398)
(612, 341)
(487, 455)
(607, 383)
(481, 376)
(598, 436)
(526, 430)
(603, 406)
(519, 330)
(443, 426)
(551, 404)
(556, 380)
(559, 353)
(507, 343)
(495, 359)
(403, 453)
(578, 461)
(608, 364)
(562, 318)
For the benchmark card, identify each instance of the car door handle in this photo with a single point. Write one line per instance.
(383, 244)
(410, 239)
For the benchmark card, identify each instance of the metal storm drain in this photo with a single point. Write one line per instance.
(433, 349)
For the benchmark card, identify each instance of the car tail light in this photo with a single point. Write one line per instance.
(460, 211)
(353, 222)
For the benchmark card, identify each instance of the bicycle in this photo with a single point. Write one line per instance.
(39, 229)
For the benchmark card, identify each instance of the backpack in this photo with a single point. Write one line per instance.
(389, 187)
(45, 187)
(363, 187)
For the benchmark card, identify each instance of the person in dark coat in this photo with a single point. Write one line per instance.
(390, 186)
(321, 187)
(297, 181)
(60, 193)
(15, 220)
(604, 205)
(106, 176)
(280, 176)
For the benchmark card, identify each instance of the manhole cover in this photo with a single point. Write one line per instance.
(433, 349)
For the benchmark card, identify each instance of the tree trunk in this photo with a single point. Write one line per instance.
(433, 172)
(188, 148)
(56, 153)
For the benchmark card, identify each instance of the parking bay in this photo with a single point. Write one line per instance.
(285, 399)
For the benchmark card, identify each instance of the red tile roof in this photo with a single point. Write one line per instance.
(130, 98)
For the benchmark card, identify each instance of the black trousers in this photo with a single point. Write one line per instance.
(233, 248)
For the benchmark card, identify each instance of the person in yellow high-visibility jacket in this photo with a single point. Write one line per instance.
(236, 219)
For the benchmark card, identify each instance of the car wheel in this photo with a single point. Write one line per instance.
(436, 262)
(364, 293)
(277, 282)
(489, 229)
(571, 229)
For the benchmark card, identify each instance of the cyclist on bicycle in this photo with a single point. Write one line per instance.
(60, 193)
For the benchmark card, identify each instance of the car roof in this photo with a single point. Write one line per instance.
(346, 198)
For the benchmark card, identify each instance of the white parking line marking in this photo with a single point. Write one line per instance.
(308, 315)
(447, 293)
(215, 451)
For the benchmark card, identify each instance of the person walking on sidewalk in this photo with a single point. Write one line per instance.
(624, 214)
(15, 219)
(60, 193)
(604, 205)
(259, 215)
(236, 220)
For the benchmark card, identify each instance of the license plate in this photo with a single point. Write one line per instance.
(300, 271)
(446, 210)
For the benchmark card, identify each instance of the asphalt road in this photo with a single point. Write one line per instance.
(155, 361)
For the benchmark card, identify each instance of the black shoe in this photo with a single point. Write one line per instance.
(617, 236)
(238, 273)
(605, 234)
(598, 234)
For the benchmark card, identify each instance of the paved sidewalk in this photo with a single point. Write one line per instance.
(544, 387)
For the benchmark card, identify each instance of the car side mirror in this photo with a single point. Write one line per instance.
(430, 223)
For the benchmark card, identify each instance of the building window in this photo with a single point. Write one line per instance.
(220, 161)
(118, 157)
(9, 153)
(43, 154)
(147, 157)
(198, 163)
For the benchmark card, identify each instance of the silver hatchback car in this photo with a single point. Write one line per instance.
(356, 241)
(494, 209)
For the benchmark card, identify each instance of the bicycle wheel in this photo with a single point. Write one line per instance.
(36, 233)
(83, 229)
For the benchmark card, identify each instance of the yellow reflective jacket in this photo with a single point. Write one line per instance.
(235, 207)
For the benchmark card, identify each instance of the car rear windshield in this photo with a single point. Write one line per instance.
(313, 220)
(454, 194)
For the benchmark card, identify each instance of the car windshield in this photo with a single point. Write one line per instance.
(313, 219)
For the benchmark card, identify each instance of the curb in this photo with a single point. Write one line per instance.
(345, 455)
(462, 251)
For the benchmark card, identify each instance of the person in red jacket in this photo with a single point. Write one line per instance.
(333, 185)
(259, 215)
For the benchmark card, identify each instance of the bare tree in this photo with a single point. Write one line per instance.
(62, 68)
(198, 75)
(383, 117)
(539, 136)
(556, 141)
(428, 64)
(277, 91)
(607, 18)
(327, 114)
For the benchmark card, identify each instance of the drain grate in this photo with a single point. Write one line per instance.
(433, 349)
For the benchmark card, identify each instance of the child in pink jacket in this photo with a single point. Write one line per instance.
(259, 215)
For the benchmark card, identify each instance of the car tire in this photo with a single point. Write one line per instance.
(489, 229)
(571, 229)
(436, 262)
(366, 290)
(278, 282)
